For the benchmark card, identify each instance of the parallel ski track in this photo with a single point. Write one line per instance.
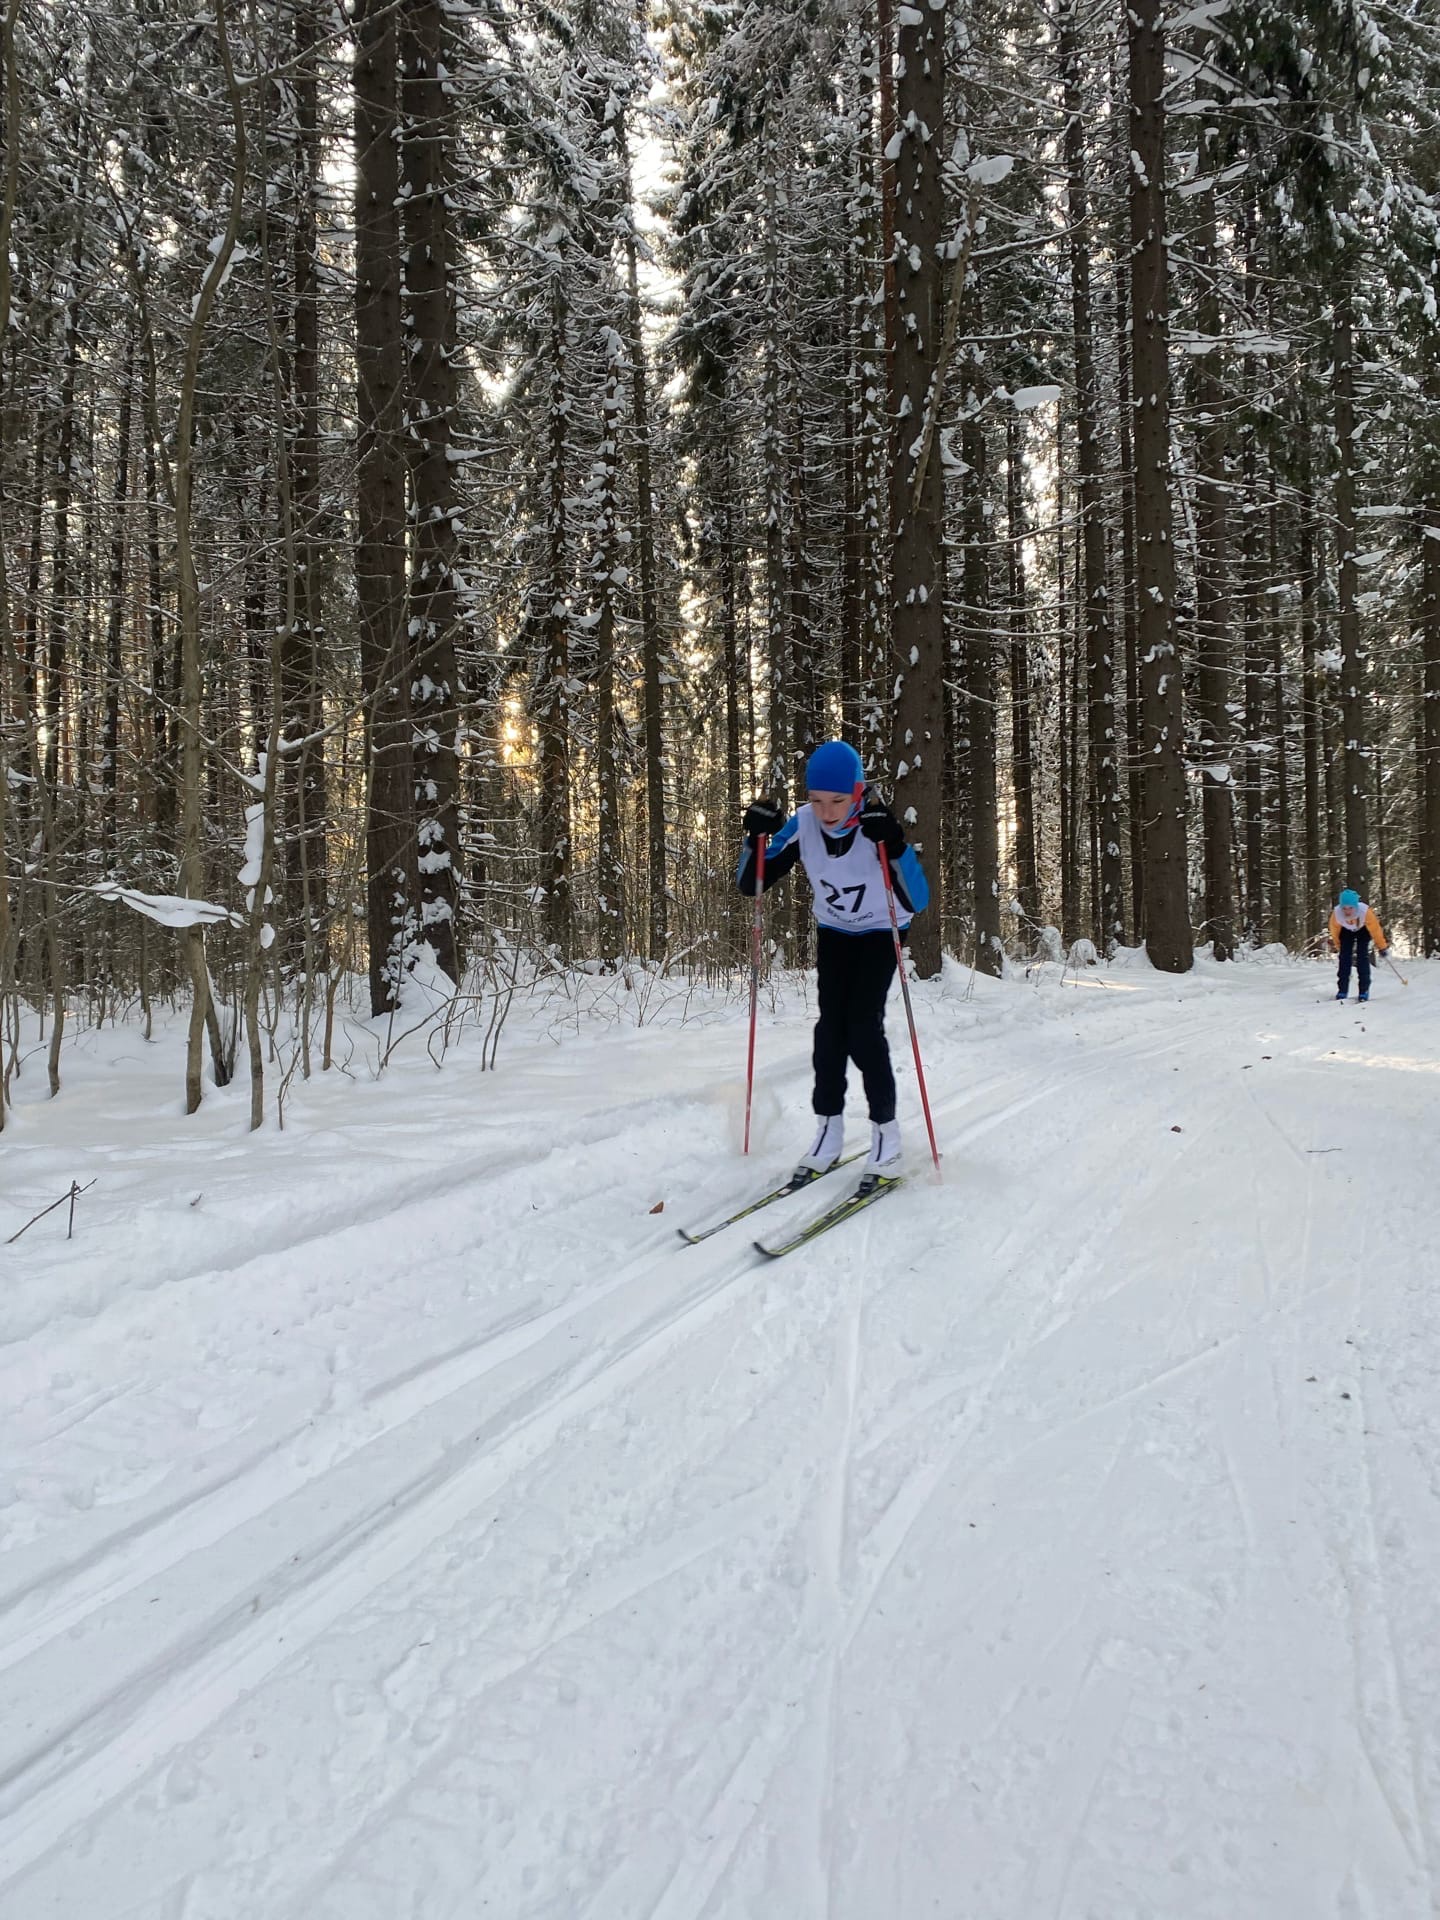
(831, 1531)
(1411, 1826)
(421, 1189)
(173, 1697)
(850, 1590)
(84, 1764)
(598, 1602)
(68, 1595)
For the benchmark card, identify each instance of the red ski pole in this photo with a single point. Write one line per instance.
(909, 1010)
(756, 954)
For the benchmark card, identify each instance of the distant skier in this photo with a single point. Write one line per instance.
(1353, 926)
(837, 838)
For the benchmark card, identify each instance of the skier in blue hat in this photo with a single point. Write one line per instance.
(837, 838)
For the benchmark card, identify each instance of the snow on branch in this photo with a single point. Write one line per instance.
(168, 909)
(1209, 14)
(1024, 399)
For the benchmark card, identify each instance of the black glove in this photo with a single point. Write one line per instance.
(762, 816)
(879, 824)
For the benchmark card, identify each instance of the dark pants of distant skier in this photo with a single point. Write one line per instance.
(855, 971)
(1354, 945)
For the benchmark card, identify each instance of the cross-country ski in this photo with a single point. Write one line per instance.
(798, 1181)
(874, 1188)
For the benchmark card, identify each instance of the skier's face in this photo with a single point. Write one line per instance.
(831, 808)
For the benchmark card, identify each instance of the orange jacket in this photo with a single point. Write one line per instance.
(1371, 925)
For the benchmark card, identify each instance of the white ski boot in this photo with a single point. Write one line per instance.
(883, 1162)
(828, 1147)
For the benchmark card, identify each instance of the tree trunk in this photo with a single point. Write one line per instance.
(30, 767)
(1099, 627)
(852, 542)
(1430, 655)
(304, 653)
(734, 654)
(57, 663)
(1429, 516)
(875, 216)
(10, 79)
(428, 111)
(737, 664)
(1314, 910)
(270, 670)
(954, 877)
(115, 612)
(1254, 659)
(800, 647)
(553, 703)
(1067, 681)
(610, 863)
(886, 51)
(1168, 939)
(1022, 748)
(980, 686)
(777, 773)
(1334, 752)
(164, 668)
(192, 853)
(1079, 758)
(1213, 615)
(651, 661)
(1353, 667)
(917, 614)
(380, 505)
(1284, 877)
(1380, 851)
(1134, 757)
(259, 628)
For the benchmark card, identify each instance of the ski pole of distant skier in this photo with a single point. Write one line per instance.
(909, 1010)
(1394, 969)
(756, 954)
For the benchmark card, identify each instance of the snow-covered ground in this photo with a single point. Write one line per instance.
(398, 1521)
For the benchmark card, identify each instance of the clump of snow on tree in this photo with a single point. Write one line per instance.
(167, 909)
(1026, 399)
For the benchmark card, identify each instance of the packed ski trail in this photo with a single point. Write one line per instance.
(399, 1520)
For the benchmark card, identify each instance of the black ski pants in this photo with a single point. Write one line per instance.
(855, 971)
(1354, 945)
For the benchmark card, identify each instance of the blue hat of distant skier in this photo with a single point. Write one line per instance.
(834, 768)
(1349, 898)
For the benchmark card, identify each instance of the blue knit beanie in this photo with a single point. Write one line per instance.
(1349, 898)
(834, 768)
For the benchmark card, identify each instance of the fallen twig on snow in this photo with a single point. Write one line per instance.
(74, 1193)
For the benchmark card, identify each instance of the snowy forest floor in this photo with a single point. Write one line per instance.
(399, 1521)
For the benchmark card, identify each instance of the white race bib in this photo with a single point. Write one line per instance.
(849, 887)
